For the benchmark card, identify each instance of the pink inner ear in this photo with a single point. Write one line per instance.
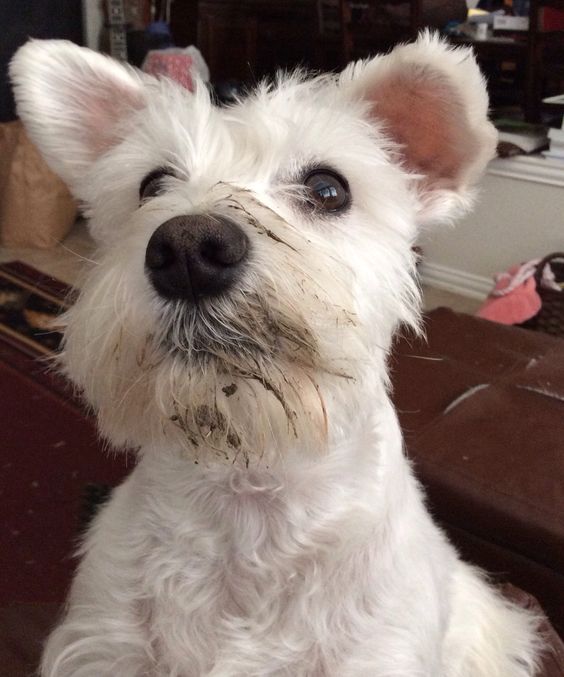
(107, 106)
(422, 112)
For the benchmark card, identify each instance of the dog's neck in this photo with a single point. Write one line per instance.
(299, 492)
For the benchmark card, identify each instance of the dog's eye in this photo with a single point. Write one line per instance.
(327, 190)
(152, 184)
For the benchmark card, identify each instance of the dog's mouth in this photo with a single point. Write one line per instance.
(239, 335)
(223, 361)
(202, 335)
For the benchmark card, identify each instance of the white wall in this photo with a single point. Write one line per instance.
(516, 219)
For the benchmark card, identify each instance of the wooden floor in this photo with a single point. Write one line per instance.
(67, 260)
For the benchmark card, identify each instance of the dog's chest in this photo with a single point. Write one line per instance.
(241, 580)
(235, 574)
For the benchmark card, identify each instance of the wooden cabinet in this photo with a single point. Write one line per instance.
(533, 62)
(374, 26)
(504, 63)
(545, 58)
(248, 39)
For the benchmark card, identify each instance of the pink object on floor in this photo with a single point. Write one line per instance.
(514, 299)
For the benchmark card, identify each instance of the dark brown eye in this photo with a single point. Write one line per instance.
(327, 190)
(152, 184)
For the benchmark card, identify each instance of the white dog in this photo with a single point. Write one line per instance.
(253, 265)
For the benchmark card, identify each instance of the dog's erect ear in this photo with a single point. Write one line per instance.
(431, 100)
(73, 102)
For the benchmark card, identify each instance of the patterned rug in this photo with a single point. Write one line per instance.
(30, 303)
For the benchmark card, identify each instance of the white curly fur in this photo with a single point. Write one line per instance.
(272, 524)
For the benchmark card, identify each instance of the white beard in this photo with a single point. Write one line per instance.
(245, 377)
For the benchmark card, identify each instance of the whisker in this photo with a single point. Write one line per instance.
(78, 256)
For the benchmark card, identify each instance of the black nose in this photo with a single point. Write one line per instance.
(189, 257)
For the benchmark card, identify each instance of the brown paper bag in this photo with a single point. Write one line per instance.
(36, 208)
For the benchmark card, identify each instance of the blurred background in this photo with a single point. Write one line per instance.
(520, 44)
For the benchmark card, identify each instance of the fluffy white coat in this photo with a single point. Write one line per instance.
(272, 524)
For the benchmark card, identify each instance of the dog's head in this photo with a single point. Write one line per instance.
(253, 261)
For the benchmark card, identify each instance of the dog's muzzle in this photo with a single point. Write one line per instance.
(195, 256)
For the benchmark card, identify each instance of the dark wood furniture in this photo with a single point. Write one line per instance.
(329, 52)
(248, 39)
(252, 38)
(481, 405)
(504, 62)
(524, 69)
(375, 26)
(545, 59)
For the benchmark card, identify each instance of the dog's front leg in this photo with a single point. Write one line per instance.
(104, 629)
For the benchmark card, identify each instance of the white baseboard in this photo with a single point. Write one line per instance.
(456, 281)
(535, 168)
